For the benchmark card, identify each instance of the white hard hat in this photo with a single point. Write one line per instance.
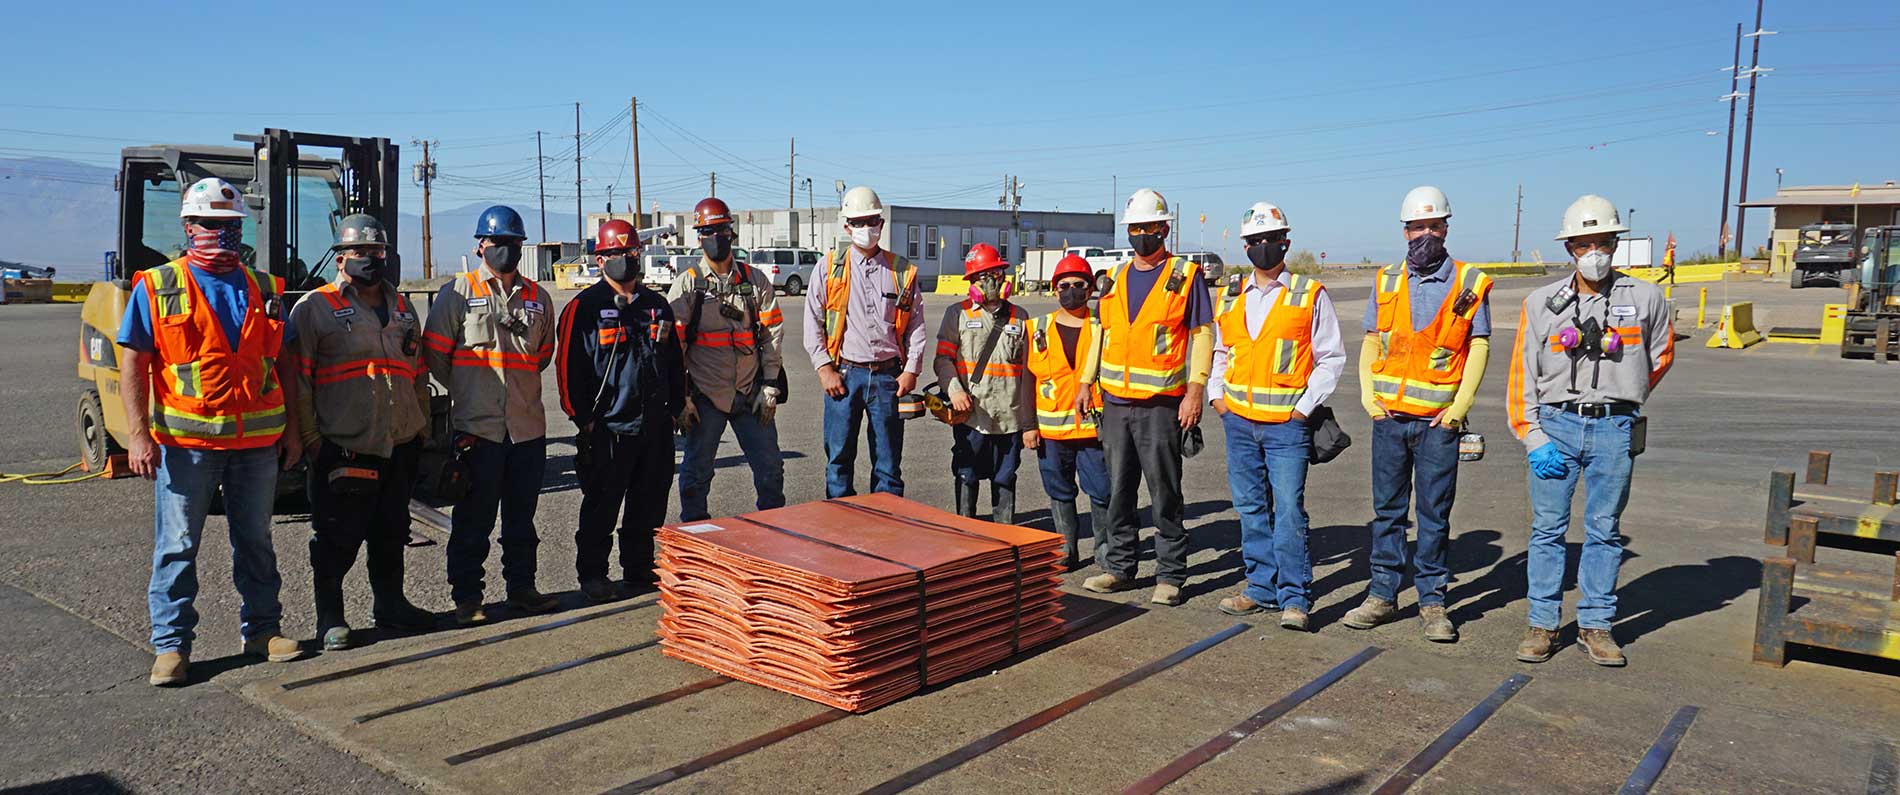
(1422, 203)
(861, 202)
(1590, 214)
(1146, 206)
(212, 198)
(1262, 218)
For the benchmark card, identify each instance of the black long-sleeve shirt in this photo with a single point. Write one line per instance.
(631, 348)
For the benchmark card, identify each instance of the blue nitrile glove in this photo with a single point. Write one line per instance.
(1547, 462)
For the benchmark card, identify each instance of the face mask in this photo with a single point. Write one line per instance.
(1594, 265)
(717, 247)
(1145, 245)
(1073, 298)
(214, 249)
(502, 258)
(1425, 253)
(364, 270)
(865, 237)
(620, 268)
(1267, 255)
(989, 288)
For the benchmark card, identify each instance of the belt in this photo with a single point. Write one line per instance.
(1597, 411)
(879, 366)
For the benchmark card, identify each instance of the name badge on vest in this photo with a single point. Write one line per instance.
(609, 314)
(1012, 331)
(475, 302)
(973, 324)
(1622, 311)
(344, 312)
(402, 316)
(532, 306)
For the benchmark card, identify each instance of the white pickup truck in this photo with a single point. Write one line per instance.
(1040, 264)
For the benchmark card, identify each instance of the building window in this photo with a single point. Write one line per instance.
(1002, 243)
(1042, 238)
(910, 235)
(964, 253)
(930, 242)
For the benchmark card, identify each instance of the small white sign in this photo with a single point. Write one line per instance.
(703, 527)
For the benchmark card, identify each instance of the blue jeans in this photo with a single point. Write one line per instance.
(1598, 450)
(1065, 461)
(757, 440)
(1409, 455)
(1266, 470)
(504, 476)
(866, 393)
(187, 479)
(977, 456)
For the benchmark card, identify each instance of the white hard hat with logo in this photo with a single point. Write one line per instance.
(861, 202)
(1145, 207)
(1591, 214)
(212, 198)
(1424, 203)
(1262, 218)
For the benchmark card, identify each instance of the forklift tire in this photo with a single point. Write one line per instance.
(95, 443)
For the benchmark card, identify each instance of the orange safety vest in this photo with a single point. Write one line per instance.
(339, 372)
(1419, 372)
(1147, 355)
(498, 360)
(206, 396)
(838, 299)
(1266, 374)
(1057, 382)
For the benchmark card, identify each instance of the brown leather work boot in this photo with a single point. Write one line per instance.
(1601, 647)
(1538, 645)
(1293, 618)
(529, 600)
(170, 669)
(273, 647)
(1370, 613)
(1166, 595)
(1107, 583)
(1241, 604)
(470, 612)
(1438, 626)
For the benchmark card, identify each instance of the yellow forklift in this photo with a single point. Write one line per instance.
(297, 186)
(1871, 329)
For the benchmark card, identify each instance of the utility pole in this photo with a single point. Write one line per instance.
(811, 216)
(712, 184)
(1728, 152)
(425, 173)
(1748, 131)
(633, 108)
(791, 177)
(1012, 200)
(1114, 191)
(1517, 226)
(580, 218)
(541, 182)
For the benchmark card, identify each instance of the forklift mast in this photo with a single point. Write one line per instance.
(369, 184)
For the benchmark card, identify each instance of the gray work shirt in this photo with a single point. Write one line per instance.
(1542, 371)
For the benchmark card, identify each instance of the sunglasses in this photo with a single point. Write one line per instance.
(220, 223)
(1147, 229)
(1593, 245)
(716, 231)
(861, 223)
(1270, 238)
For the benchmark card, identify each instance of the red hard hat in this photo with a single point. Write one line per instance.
(1072, 265)
(983, 257)
(615, 236)
(711, 212)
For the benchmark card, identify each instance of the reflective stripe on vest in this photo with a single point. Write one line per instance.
(1056, 382)
(205, 395)
(1147, 355)
(1419, 371)
(1267, 372)
(838, 299)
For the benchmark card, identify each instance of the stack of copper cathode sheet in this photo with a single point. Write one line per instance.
(855, 602)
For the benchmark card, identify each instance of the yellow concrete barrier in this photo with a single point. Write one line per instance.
(1833, 328)
(1737, 327)
(1709, 272)
(71, 292)
(1505, 270)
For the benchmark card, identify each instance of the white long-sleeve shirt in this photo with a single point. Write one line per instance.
(1329, 350)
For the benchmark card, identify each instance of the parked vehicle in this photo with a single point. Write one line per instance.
(790, 268)
(1823, 254)
(1040, 263)
(1213, 269)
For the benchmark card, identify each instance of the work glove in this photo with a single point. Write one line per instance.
(688, 418)
(1547, 462)
(767, 407)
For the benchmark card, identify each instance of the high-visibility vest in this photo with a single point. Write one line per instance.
(1057, 382)
(838, 299)
(1147, 355)
(1418, 371)
(204, 394)
(328, 373)
(494, 357)
(1267, 373)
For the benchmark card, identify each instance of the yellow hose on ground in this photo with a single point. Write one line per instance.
(41, 478)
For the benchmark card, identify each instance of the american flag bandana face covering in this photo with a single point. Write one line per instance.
(214, 250)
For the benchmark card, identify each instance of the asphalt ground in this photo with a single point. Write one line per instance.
(74, 560)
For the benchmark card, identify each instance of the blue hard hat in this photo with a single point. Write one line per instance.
(500, 221)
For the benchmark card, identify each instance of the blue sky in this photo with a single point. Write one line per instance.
(1331, 111)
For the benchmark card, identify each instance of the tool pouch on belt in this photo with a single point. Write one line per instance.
(354, 474)
(453, 485)
(1639, 435)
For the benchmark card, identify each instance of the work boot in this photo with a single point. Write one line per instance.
(1063, 514)
(1241, 604)
(1293, 618)
(1370, 613)
(529, 600)
(1166, 595)
(273, 647)
(966, 498)
(1538, 645)
(1438, 626)
(470, 612)
(1002, 504)
(1108, 583)
(1601, 647)
(1098, 527)
(332, 629)
(598, 591)
(170, 669)
(392, 609)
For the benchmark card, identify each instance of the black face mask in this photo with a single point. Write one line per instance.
(1267, 254)
(1145, 245)
(365, 270)
(1425, 252)
(622, 268)
(1073, 297)
(502, 258)
(717, 247)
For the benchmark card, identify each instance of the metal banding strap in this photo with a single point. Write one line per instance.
(505, 681)
(954, 759)
(1651, 767)
(1435, 753)
(1016, 554)
(587, 720)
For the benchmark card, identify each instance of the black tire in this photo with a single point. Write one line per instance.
(95, 444)
(1797, 279)
(794, 286)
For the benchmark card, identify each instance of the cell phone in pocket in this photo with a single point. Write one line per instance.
(1639, 435)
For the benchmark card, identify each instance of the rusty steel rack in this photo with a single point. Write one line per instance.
(1823, 605)
(1837, 511)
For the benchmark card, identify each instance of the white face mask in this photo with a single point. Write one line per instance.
(865, 237)
(1594, 265)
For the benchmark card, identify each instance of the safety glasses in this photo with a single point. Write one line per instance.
(862, 223)
(1154, 228)
(1270, 237)
(722, 230)
(1587, 246)
(219, 224)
